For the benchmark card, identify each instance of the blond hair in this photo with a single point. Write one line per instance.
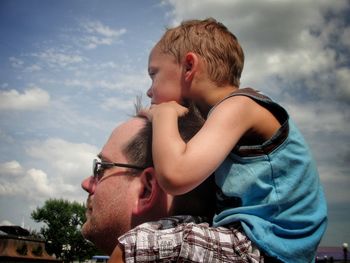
(222, 54)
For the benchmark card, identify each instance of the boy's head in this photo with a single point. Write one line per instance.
(213, 42)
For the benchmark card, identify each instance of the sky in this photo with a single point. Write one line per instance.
(70, 71)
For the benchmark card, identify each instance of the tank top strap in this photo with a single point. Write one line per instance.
(277, 110)
(249, 92)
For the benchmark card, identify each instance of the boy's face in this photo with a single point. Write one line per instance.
(166, 76)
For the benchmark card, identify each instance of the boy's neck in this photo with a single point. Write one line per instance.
(212, 96)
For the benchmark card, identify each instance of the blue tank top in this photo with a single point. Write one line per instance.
(273, 190)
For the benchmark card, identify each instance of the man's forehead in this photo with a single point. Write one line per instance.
(129, 128)
(120, 136)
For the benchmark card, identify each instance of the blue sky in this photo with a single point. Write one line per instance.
(70, 71)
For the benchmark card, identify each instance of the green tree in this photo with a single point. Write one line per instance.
(63, 221)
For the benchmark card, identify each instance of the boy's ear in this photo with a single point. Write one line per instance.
(190, 65)
(149, 193)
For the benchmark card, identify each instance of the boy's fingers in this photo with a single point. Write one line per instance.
(144, 112)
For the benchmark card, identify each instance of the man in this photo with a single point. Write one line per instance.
(123, 192)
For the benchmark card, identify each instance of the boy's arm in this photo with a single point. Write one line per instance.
(181, 167)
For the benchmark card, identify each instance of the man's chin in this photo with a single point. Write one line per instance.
(104, 242)
(87, 231)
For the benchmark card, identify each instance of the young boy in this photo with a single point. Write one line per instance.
(267, 182)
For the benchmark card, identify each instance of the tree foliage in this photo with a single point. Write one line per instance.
(63, 221)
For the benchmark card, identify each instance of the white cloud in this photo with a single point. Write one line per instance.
(330, 118)
(8, 188)
(103, 30)
(6, 223)
(303, 61)
(31, 99)
(35, 180)
(69, 163)
(127, 83)
(118, 104)
(93, 41)
(68, 160)
(10, 168)
(16, 62)
(343, 82)
(40, 182)
(120, 84)
(79, 83)
(336, 184)
(109, 64)
(32, 68)
(99, 34)
(59, 58)
(345, 38)
(6, 137)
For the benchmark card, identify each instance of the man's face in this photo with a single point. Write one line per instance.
(110, 200)
(166, 75)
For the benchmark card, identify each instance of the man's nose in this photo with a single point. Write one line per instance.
(149, 92)
(89, 185)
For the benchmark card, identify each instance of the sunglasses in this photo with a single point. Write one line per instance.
(99, 166)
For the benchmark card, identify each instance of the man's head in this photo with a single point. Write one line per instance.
(213, 42)
(121, 198)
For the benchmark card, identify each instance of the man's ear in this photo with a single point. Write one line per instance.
(190, 65)
(148, 192)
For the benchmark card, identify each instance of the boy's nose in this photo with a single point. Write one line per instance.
(149, 93)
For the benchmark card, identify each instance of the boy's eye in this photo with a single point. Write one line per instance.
(152, 73)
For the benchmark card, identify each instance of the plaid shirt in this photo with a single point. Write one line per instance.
(188, 239)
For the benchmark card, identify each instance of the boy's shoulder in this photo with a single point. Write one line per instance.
(262, 117)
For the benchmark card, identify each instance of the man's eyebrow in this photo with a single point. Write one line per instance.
(101, 157)
(104, 159)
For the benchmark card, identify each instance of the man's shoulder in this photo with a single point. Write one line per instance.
(173, 221)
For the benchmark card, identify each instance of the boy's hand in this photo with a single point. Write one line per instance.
(164, 108)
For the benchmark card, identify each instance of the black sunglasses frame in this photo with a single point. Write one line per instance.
(98, 166)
